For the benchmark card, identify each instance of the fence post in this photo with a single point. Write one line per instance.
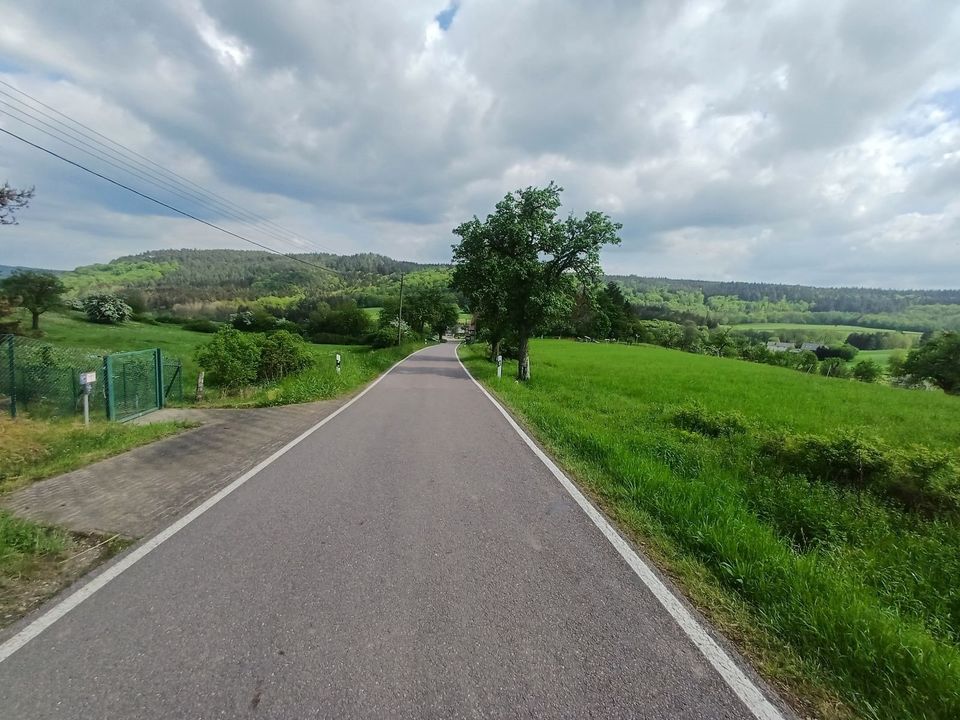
(108, 386)
(158, 359)
(13, 378)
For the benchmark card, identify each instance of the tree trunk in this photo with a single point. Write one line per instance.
(36, 320)
(494, 349)
(523, 358)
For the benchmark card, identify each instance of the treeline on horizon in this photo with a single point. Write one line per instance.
(170, 278)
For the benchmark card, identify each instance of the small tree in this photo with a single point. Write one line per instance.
(530, 261)
(282, 353)
(937, 360)
(36, 291)
(106, 308)
(867, 371)
(13, 200)
(231, 357)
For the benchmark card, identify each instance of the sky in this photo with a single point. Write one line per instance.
(778, 140)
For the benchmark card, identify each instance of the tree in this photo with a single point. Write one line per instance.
(867, 371)
(937, 360)
(12, 200)
(36, 291)
(535, 260)
(232, 357)
(106, 308)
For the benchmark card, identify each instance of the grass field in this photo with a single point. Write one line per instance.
(881, 357)
(843, 598)
(74, 330)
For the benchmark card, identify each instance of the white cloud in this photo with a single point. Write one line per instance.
(784, 141)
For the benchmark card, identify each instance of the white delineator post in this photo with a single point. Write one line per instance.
(87, 379)
(499, 366)
(338, 363)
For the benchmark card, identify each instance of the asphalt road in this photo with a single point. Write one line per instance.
(411, 558)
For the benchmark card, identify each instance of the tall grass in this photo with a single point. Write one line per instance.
(861, 593)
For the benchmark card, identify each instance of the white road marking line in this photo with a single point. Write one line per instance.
(69, 603)
(745, 689)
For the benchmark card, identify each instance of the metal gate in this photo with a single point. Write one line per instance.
(133, 383)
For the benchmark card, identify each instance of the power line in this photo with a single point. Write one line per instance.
(166, 205)
(235, 209)
(95, 153)
(155, 179)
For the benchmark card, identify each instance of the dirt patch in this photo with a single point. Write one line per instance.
(44, 577)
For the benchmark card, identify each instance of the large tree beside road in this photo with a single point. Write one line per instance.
(523, 263)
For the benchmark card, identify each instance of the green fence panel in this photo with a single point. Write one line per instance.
(133, 383)
(43, 379)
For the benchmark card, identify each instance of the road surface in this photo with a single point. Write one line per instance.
(411, 558)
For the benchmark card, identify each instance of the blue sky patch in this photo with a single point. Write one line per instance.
(445, 17)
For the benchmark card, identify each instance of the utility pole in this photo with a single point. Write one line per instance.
(400, 313)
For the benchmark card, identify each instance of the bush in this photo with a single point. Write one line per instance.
(834, 367)
(282, 353)
(917, 478)
(325, 338)
(253, 320)
(106, 308)
(201, 325)
(384, 337)
(232, 358)
(696, 418)
(867, 371)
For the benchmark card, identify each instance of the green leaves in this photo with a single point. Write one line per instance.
(521, 266)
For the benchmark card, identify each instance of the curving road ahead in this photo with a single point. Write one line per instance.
(413, 557)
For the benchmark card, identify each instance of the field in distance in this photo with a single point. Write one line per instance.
(748, 482)
(773, 327)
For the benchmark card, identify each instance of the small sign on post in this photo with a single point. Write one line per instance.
(87, 379)
(338, 363)
(499, 366)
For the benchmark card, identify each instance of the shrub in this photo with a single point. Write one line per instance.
(384, 337)
(231, 357)
(834, 367)
(201, 325)
(106, 308)
(867, 371)
(253, 321)
(282, 353)
(324, 338)
(696, 418)
(917, 478)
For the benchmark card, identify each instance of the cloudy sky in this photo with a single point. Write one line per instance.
(791, 141)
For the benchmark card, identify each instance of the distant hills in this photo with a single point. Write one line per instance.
(166, 279)
(11, 269)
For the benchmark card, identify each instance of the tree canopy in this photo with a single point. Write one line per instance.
(523, 262)
(36, 291)
(937, 360)
(13, 200)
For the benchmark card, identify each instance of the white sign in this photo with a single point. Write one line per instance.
(88, 378)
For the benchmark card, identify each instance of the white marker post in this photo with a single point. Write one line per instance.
(87, 379)
(499, 366)
(338, 363)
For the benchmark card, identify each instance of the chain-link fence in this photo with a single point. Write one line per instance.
(44, 380)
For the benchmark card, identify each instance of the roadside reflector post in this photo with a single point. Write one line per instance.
(200, 387)
(338, 363)
(87, 379)
(499, 366)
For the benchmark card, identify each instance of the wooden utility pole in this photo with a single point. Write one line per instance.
(400, 313)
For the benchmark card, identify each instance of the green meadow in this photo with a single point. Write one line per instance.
(844, 596)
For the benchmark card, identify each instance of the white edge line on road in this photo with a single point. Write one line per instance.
(745, 689)
(36, 627)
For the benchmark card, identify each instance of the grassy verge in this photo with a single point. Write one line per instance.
(36, 449)
(844, 599)
(359, 365)
(36, 561)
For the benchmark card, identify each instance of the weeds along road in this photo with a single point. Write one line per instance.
(412, 557)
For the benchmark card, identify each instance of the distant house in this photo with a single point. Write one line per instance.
(774, 346)
(811, 346)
